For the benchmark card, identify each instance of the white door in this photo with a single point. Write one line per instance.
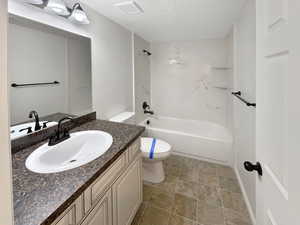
(278, 111)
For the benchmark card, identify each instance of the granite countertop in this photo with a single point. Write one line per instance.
(40, 198)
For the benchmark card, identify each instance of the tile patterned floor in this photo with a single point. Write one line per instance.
(194, 193)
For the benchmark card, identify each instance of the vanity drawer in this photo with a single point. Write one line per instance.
(134, 149)
(103, 182)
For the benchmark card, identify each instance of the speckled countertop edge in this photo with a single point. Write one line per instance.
(40, 198)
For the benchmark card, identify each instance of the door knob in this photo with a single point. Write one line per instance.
(253, 167)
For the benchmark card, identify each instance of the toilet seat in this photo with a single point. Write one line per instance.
(161, 149)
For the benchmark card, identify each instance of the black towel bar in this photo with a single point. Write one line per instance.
(33, 84)
(238, 95)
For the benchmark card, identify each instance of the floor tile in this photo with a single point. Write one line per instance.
(193, 193)
(212, 196)
(235, 218)
(225, 171)
(139, 215)
(167, 185)
(189, 174)
(209, 169)
(147, 192)
(229, 184)
(208, 215)
(209, 180)
(154, 216)
(187, 188)
(234, 201)
(179, 220)
(161, 199)
(185, 206)
(172, 170)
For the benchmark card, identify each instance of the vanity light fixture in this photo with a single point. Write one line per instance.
(78, 15)
(58, 7)
(75, 14)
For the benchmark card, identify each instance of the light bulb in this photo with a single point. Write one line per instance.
(34, 2)
(78, 15)
(58, 7)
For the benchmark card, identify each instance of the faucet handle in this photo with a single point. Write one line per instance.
(29, 130)
(146, 106)
(45, 124)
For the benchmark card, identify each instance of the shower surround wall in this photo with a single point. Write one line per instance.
(189, 80)
(141, 76)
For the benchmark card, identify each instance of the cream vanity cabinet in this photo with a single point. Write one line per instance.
(127, 195)
(113, 198)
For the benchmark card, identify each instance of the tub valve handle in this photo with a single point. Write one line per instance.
(146, 108)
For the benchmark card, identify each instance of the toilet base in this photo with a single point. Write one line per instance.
(153, 171)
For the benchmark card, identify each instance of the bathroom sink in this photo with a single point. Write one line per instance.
(81, 148)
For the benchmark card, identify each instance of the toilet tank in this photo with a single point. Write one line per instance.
(124, 117)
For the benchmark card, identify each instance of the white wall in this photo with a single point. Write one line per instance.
(112, 75)
(231, 66)
(111, 66)
(244, 81)
(39, 54)
(79, 76)
(187, 90)
(141, 77)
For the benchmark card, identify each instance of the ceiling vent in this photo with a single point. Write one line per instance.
(130, 7)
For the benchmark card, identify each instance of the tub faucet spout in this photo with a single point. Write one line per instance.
(149, 112)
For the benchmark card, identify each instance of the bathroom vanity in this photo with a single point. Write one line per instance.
(113, 198)
(106, 191)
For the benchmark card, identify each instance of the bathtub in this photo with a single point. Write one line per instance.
(197, 139)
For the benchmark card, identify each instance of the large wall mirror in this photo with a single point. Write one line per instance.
(49, 73)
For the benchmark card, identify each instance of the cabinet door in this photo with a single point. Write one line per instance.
(73, 215)
(127, 194)
(102, 212)
(67, 219)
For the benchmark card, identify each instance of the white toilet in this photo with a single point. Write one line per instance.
(154, 151)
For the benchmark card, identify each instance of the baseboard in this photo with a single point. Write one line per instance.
(174, 152)
(251, 213)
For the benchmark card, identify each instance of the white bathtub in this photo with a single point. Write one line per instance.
(197, 139)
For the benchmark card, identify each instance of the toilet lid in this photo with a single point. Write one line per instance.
(160, 146)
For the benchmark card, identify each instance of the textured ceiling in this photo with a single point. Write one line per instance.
(175, 20)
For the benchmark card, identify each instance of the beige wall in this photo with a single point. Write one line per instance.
(6, 213)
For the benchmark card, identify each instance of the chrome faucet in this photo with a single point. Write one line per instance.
(36, 118)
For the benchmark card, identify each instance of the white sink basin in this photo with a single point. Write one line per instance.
(81, 148)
